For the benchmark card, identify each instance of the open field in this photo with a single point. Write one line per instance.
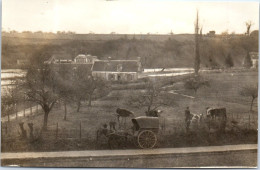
(66, 134)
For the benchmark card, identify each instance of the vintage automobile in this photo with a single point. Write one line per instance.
(145, 131)
(143, 134)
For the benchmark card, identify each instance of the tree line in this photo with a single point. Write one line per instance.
(177, 51)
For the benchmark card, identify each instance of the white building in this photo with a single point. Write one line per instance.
(85, 59)
(117, 70)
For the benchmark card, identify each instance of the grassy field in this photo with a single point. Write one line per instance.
(66, 135)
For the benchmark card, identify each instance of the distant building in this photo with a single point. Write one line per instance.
(117, 70)
(59, 59)
(254, 57)
(85, 59)
(62, 58)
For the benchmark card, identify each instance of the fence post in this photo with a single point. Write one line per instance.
(16, 111)
(164, 124)
(57, 128)
(6, 129)
(80, 131)
(249, 121)
(30, 108)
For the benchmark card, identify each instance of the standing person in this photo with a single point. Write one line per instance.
(187, 118)
(112, 125)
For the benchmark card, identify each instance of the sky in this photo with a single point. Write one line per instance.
(128, 16)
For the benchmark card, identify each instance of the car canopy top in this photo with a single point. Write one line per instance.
(146, 122)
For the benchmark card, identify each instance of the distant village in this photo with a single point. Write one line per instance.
(111, 70)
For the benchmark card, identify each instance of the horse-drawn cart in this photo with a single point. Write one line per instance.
(143, 133)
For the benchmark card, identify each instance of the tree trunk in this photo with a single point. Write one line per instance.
(148, 109)
(45, 120)
(251, 106)
(90, 100)
(65, 110)
(151, 102)
(78, 104)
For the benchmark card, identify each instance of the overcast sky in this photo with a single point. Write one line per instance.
(127, 16)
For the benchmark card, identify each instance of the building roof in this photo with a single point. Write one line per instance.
(85, 56)
(58, 56)
(81, 56)
(112, 65)
(71, 66)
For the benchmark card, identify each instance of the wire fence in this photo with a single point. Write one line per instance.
(26, 112)
(11, 132)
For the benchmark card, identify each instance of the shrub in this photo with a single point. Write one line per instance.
(247, 61)
(195, 82)
(229, 61)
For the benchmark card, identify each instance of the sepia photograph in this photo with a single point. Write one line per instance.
(129, 84)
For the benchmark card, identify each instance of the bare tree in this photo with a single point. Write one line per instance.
(85, 85)
(65, 89)
(152, 97)
(41, 87)
(96, 84)
(250, 91)
(248, 27)
(81, 77)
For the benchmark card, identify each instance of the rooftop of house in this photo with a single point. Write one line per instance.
(85, 56)
(72, 66)
(81, 56)
(112, 65)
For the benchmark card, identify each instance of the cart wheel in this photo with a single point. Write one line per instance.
(146, 139)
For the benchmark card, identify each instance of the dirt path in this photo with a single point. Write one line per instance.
(166, 157)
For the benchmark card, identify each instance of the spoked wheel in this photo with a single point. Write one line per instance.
(146, 139)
